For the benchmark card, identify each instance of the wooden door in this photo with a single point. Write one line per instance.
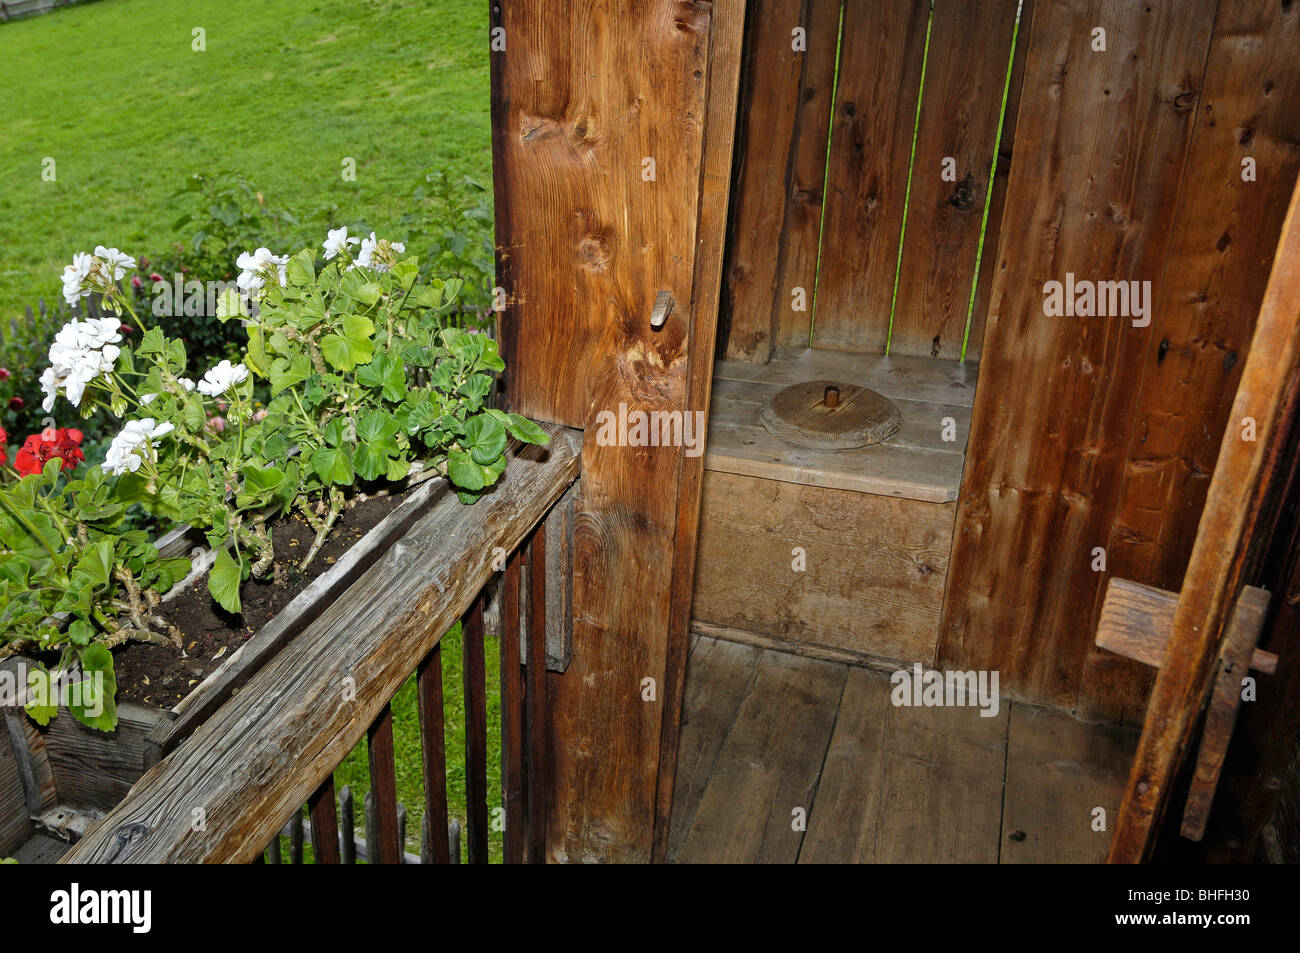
(1255, 473)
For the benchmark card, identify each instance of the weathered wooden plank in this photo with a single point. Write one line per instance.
(1240, 505)
(767, 135)
(349, 835)
(381, 834)
(989, 261)
(718, 677)
(474, 681)
(907, 784)
(16, 791)
(871, 146)
(1101, 141)
(1243, 630)
(1261, 779)
(1205, 308)
(535, 702)
(898, 378)
(1136, 621)
(966, 70)
(433, 749)
(92, 769)
(270, 746)
(41, 849)
(559, 585)
(801, 229)
(849, 570)
(324, 824)
(1059, 772)
(512, 718)
(768, 766)
(724, 68)
(239, 667)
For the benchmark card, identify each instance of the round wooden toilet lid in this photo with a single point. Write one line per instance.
(807, 416)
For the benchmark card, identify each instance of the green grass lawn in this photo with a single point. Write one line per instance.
(115, 94)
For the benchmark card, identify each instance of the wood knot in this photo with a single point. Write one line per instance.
(1184, 100)
(963, 196)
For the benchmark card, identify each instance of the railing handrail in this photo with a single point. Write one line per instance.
(226, 792)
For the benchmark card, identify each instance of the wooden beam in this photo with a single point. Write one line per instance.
(1229, 541)
(589, 232)
(265, 751)
(1136, 622)
(1246, 623)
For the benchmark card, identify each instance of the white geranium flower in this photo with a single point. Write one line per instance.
(117, 262)
(82, 350)
(74, 278)
(186, 383)
(257, 267)
(337, 242)
(147, 399)
(378, 254)
(97, 272)
(127, 451)
(221, 378)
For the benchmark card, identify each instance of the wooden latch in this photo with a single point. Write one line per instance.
(1136, 622)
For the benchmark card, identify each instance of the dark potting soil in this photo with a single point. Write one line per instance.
(160, 676)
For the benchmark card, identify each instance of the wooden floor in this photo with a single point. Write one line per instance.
(767, 735)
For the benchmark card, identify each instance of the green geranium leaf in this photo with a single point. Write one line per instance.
(223, 581)
(485, 438)
(333, 465)
(93, 701)
(43, 703)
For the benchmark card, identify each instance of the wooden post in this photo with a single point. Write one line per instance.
(600, 175)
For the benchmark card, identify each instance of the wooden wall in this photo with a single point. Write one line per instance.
(1089, 432)
(583, 94)
(779, 213)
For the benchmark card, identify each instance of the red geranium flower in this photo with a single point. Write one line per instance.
(16, 403)
(4, 444)
(40, 448)
(4, 374)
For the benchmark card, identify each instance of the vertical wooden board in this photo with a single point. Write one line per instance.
(715, 179)
(1101, 144)
(584, 93)
(1221, 253)
(907, 784)
(801, 234)
(718, 678)
(768, 765)
(998, 193)
(582, 96)
(966, 70)
(15, 820)
(871, 145)
(1059, 771)
(765, 140)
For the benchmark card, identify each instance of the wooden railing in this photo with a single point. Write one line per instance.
(227, 791)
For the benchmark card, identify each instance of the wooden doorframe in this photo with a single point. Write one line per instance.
(1246, 496)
